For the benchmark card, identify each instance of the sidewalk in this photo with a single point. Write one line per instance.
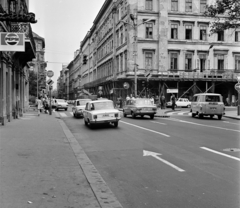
(39, 168)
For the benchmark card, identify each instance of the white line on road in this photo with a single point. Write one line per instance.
(158, 122)
(156, 132)
(183, 112)
(63, 115)
(71, 113)
(216, 127)
(230, 123)
(220, 153)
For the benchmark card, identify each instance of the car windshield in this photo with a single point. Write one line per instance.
(60, 101)
(82, 102)
(143, 102)
(103, 105)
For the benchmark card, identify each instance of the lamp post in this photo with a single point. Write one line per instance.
(135, 26)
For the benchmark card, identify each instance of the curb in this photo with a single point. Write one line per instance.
(162, 116)
(232, 117)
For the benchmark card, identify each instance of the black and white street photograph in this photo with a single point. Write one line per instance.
(119, 103)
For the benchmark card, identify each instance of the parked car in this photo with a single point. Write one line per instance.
(181, 102)
(60, 104)
(78, 107)
(207, 104)
(140, 107)
(100, 112)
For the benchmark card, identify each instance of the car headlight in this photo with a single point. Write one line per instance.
(95, 116)
(139, 109)
(116, 115)
(80, 110)
(59, 106)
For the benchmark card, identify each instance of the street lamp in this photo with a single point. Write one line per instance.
(135, 25)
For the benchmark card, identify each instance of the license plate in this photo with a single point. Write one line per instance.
(212, 108)
(146, 109)
(105, 115)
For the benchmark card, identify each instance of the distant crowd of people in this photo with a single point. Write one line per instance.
(43, 104)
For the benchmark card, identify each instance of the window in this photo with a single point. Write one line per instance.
(203, 33)
(203, 4)
(121, 62)
(174, 31)
(149, 5)
(202, 58)
(149, 30)
(121, 34)
(220, 35)
(117, 64)
(126, 34)
(174, 5)
(188, 62)
(237, 36)
(125, 53)
(237, 63)
(188, 32)
(220, 62)
(188, 6)
(148, 60)
(117, 38)
(173, 61)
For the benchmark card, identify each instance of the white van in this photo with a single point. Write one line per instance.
(207, 104)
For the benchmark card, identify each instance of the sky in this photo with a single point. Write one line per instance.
(63, 24)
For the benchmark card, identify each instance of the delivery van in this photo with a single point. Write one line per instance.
(207, 104)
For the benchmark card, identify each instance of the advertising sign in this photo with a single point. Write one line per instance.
(12, 41)
(172, 90)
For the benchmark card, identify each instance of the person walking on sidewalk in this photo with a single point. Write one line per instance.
(162, 102)
(39, 105)
(173, 99)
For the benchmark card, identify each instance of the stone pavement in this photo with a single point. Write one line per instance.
(40, 168)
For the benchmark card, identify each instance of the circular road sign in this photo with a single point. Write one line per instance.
(50, 73)
(237, 87)
(12, 39)
(126, 85)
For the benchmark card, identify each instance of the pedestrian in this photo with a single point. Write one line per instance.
(120, 102)
(127, 98)
(152, 100)
(173, 99)
(39, 105)
(227, 101)
(163, 101)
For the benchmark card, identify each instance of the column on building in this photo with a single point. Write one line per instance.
(9, 92)
(3, 113)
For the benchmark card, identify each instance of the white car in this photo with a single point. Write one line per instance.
(100, 112)
(78, 107)
(60, 104)
(181, 102)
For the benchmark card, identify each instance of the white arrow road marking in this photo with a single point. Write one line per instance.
(220, 153)
(155, 155)
(158, 122)
(156, 132)
(216, 127)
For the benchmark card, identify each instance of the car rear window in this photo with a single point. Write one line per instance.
(212, 98)
(144, 102)
(103, 105)
(59, 100)
(82, 102)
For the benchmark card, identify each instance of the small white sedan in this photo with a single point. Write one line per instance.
(60, 104)
(100, 112)
(78, 107)
(181, 102)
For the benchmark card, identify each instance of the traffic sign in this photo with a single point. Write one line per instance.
(148, 73)
(50, 73)
(237, 87)
(50, 82)
(126, 85)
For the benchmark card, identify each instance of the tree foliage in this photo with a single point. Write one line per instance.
(225, 14)
(32, 83)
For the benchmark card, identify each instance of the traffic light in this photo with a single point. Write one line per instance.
(84, 59)
(143, 84)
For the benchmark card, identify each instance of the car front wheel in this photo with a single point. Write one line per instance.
(133, 115)
(124, 114)
(115, 124)
(219, 117)
(152, 116)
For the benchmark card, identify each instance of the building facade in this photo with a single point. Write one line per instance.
(14, 71)
(167, 39)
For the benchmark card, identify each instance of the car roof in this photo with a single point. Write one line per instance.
(82, 99)
(207, 94)
(100, 101)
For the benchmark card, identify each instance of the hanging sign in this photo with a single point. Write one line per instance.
(12, 41)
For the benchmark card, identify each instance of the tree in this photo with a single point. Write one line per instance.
(32, 83)
(226, 15)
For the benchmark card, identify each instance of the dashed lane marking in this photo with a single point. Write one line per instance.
(63, 115)
(220, 153)
(230, 123)
(158, 122)
(156, 132)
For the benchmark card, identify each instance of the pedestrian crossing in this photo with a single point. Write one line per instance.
(180, 113)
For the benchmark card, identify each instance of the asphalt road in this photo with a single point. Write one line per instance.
(166, 162)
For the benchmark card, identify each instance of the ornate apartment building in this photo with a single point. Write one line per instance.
(14, 70)
(169, 39)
